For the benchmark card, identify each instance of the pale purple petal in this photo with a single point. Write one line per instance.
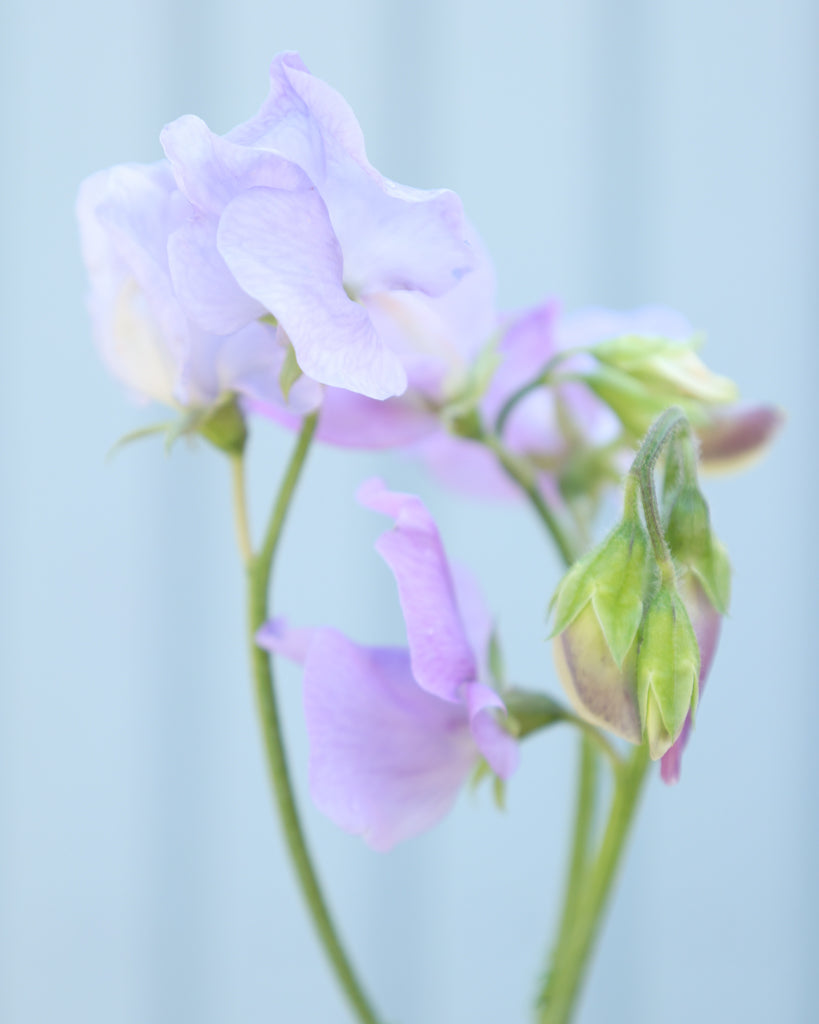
(442, 658)
(204, 285)
(387, 759)
(293, 644)
(211, 170)
(467, 466)
(125, 215)
(281, 249)
(495, 744)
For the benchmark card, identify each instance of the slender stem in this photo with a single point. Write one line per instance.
(240, 513)
(575, 946)
(259, 568)
(539, 381)
(520, 473)
(581, 840)
(665, 428)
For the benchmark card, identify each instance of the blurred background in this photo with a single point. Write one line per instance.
(609, 153)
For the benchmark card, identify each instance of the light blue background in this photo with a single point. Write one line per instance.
(609, 152)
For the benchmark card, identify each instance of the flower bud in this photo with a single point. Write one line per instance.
(639, 376)
(668, 666)
(695, 547)
(598, 609)
(704, 585)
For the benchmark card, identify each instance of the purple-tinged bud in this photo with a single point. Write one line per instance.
(733, 439)
(598, 610)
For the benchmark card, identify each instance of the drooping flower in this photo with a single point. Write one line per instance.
(289, 219)
(395, 732)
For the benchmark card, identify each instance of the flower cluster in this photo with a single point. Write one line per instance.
(273, 272)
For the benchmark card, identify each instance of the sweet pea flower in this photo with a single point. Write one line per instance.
(126, 216)
(288, 219)
(395, 732)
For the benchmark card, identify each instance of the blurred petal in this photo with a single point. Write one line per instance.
(497, 746)
(386, 758)
(442, 658)
(733, 439)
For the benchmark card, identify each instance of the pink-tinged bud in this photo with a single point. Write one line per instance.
(600, 691)
(733, 439)
(598, 608)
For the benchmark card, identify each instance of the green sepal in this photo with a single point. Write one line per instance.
(483, 771)
(668, 668)
(139, 435)
(694, 545)
(624, 573)
(529, 711)
(223, 425)
(289, 373)
(461, 413)
(497, 667)
(715, 576)
(635, 405)
(614, 577)
(573, 593)
(688, 531)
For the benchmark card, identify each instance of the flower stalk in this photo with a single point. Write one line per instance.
(259, 568)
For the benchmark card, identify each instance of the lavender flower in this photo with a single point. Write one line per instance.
(395, 732)
(289, 219)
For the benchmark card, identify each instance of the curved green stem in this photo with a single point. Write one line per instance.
(575, 944)
(259, 569)
(539, 381)
(519, 472)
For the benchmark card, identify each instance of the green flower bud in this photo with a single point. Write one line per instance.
(668, 668)
(667, 366)
(694, 545)
(598, 610)
(638, 377)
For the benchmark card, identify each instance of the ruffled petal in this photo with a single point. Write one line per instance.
(210, 170)
(442, 658)
(281, 249)
(204, 285)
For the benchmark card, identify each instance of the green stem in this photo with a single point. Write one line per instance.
(517, 470)
(575, 944)
(539, 381)
(582, 837)
(664, 429)
(259, 569)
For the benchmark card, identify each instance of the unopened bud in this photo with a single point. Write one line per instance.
(668, 666)
(598, 610)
